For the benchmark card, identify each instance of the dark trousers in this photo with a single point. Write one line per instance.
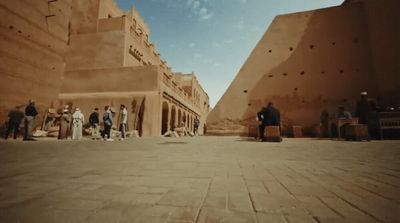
(122, 129)
(107, 131)
(12, 127)
(261, 129)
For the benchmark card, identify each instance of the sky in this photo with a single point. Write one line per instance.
(212, 38)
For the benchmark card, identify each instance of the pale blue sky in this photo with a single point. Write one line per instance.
(213, 38)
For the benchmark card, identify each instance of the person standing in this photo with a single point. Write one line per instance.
(324, 123)
(123, 119)
(196, 126)
(77, 124)
(65, 124)
(94, 123)
(269, 116)
(14, 120)
(30, 116)
(107, 119)
(363, 107)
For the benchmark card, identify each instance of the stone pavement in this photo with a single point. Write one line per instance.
(202, 179)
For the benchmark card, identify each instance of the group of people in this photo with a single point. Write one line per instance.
(16, 117)
(270, 116)
(71, 123)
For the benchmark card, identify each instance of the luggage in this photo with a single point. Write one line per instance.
(273, 134)
(357, 132)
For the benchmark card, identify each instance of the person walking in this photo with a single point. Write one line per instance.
(30, 116)
(123, 119)
(15, 116)
(269, 116)
(65, 124)
(94, 123)
(77, 124)
(107, 119)
(196, 126)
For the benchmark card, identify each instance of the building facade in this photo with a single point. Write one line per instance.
(315, 60)
(108, 59)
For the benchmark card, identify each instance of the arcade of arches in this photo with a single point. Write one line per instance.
(174, 114)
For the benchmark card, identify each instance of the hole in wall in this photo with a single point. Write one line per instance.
(248, 104)
(296, 89)
(284, 74)
(291, 48)
(311, 46)
(344, 99)
(11, 27)
(269, 51)
(302, 73)
(270, 75)
(303, 101)
(333, 43)
(322, 72)
(341, 71)
(245, 91)
(19, 31)
(49, 45)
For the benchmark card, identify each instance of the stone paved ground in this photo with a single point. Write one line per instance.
(203, 179)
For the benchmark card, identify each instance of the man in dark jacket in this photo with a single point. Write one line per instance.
(269, 116)
(30, 115)
(15, 117)
(94, 123)
(363, 107)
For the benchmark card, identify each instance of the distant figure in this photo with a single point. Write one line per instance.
(324, 120)
(77, 124)
(363, 107)
(65, 124)
(196, 126)
(30, 116)
(94, 123)
(107, 119)
(269, 116)
(15, 116)
(342, 113)
(123, 119)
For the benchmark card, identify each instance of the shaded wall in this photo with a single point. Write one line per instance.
(34, 36)
(304, 63)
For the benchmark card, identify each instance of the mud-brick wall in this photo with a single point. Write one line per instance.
(315, 60)
(34, 35)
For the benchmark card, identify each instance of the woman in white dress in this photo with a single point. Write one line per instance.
(77, 124)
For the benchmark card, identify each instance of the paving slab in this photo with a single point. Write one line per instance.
(199, 179)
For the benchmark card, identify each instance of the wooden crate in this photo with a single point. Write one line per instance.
(273, 134)
(296, 131)
(356, 132)
(253, 131)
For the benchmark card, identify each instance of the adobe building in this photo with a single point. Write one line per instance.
(34, 37)
(315, 60)
(106, 59)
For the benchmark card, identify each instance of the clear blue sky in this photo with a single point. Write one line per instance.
(213, 38)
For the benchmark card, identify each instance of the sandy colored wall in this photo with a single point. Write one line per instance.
(84, 16)
(384, 34)
(34, 36)
(305, 62)
(96, 50)
(123, 79)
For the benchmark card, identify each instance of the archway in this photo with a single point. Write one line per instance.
(172, 121)
(164, 118)
(179, 117)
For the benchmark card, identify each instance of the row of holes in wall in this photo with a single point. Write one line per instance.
(344, 100)
(341, 71)
(312, 46)
(11, 27)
